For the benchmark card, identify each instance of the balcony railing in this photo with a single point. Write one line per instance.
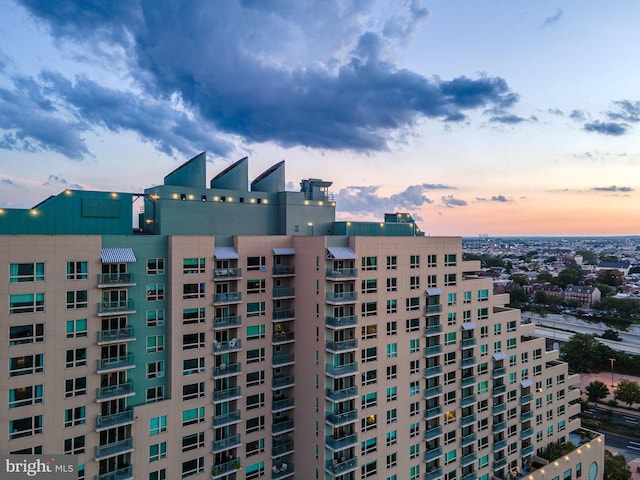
(124, 334)
(227, 443)
(342, 346)
(113, 449)
(116, 308)
(115, 391)
(226, 394)
(468, 439)
(337, 419)
(340, 468)
(498, 427)
(227, 273)
(432, 330)
(283, 270)
(281, 448)
(115, 363)
(115, 279)
(526, 433)
(283, 359)
(227, 370)
(432, 454)
(281, 427)
(342, 297)
(498, 390)
(433, 309)
(432, 412)
(527, 450)
(467, 459)
(282, 404)
(432, 371)
(283, 292)
(114, 420)
(499, 445)
(526, 398)
(342, 442)
(467, 381)
(283, 337)
(468, 342)
(226, 419)
(229, 297)
(227, 322)
(284, 471)
(342, 322)
(434, 474)
(342, 274)
(283, 382)
(468, 400)
(220, 469)
(467, 361)
(467, 419)
(339, 370)
(499, 372)
(499, 408)
(432, 350)
(433, 432)
(125, 473)
(433, 391)
(228, 346)
(285, 314)
(342, 394)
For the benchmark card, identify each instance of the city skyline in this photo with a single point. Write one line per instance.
(502, 119)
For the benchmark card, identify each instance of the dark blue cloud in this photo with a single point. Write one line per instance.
(499, 198)
(555, 111)
(293, 73)
(7, 181)
(612, 188)
(550, 20)
(507, 119)
(58, 180)
(628, 111)
(450, 201)
(606, 128)
(577, 115)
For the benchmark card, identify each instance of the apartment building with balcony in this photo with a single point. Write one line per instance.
(241, 332)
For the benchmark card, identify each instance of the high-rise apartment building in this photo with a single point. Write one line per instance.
(241, 333)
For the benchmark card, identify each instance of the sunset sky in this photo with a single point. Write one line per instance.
(501, 117)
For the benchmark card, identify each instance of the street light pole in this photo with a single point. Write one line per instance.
(612, 360)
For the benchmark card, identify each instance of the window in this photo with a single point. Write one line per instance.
(497, 346)
(511, 326)
(483, 313)
(193, 265)
(256, 263)
(155, 318)
(432, 281)
(192, 366)
(255, 447)
(392, 394)
(431, 260)
(369, 286)
(392, 328)
(392, 416)
(256, 286)
(414, 472)
(449, 358)
(255, 378)
(155, 292)
(392, 460)
(193, 390)
(449, 437)
(26, 272)
(255, 355)
(511, 343)
(483, 368)
(414, 283)
(414, 366)
(392, 262)
(155, 266)
(192, 467)
(255, 332)
(190, 416)
(392, 284)
(483, 387)
(77, 328)
(537, 354)
(369, 469)
(155, 394)
(537, 370)
(256, 309)
(414, 345)
(23, 396)
(449, 279)
(255, 424)
(369, 331)
(369, 446)
(450, 260)
(483, 295)
(483, 461)
(450, 338)
(76, 358)
(414, 450)
(392, 306)
(369, 377)
(190, 442)
(392, 438)
(412, 303)
(392, 372)
(414, 388)
(414, 429)
(369, 423)
(449, 397)
(369, 263)
(192, 340)
(497, 329)
(22, 334)
(74, 446)
(369, 354)
(74, 387)
(190, 315)
(414, 408)
(414, 261)
(412, 325)
(451, 299)
(450, 417)
(26, 365)
(155, 343)
(26, 303)
(255, 401)
(158, 474)
(452, 318)
(157, 451)
(76, 270)
(77, 299)
(369, 309)
(155, 369)
(193, 290)
(392, 350)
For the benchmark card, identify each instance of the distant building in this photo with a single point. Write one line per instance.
(586, 295)
(622, 266)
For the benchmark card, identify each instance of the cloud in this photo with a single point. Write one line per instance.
(499, 198)
(7, 181)
(612, 188)
(550, 20)
(628, 111)
(577, 115)
(507, 119)
(606, 128)
(450, 201)
(555, 111)
(294, 73)
(58, 180)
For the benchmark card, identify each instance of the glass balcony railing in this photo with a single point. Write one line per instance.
(336, 467)
(467, 420)
(499, 372)
(115, 363)
(339, 370)
(467, 459)
(228, 346)
(125, 473)
(433, 309)
(500, 426)
(124, 334)
(432, 371)
(283, 337)
(342, 322)
(433, 391)
(227, 443)
(468, 342)
(467, 381)
(432, 454)
(227, 273)
(115, 279)
(468, 400)
(226, 419)
(282, 404)
(342, 346)
(527, 450)
(224, 468)
(432, 412)
(342, 442)
(116, 308)
(226, 394)
(285, 471)
(284, 314)
(499, 445)
(227, 322)
(526, 433)
(499, 408)
(468, 439)
(114, 420)
(224, 370)
(432, 330)
(433, 432)
(282, 427)
(337, 419)
(114, 448)
(283, 382)
(283, 359)
(228, 297)
(283, 292)
(342, 273)
(281, 448)
(433, 474)
(467, 361)
(342, 297)
(432, 350)
(283, 270)
(341, 394)
(112, 392)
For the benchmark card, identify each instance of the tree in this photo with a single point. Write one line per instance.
(581, 351)
(544, 277)
(571, 275)
(615, 467)
(613, 277)
(518, 296)
(610, 334)
(596, 390)
(627, 391)
(588, 256)
(520, 278)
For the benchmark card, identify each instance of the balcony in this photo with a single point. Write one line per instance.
(499, 372)
(467, 420)
(283, 270)
(221, 469)
(499, 408)
(229, 346)
(432, 454)
(224, 370)
(285, 471)
(432, 433)
(341, 394)
(228, 443)
(499, 445)
(227, 274)
(342, 322)
(527, 450)
(340, 274)
(337, 419)
(283, 315)
(341, 443)
(283, 359)
(123, 362)
(283, 382)
(113, 392)
(283, 292)
(433, 474)
(107, 280)
(226, 419)
(281, 448)
(119, 419)
(467, 361)
(467, 459)
(433, 309)
(469, 476)
(227, 298)
(336, 468)
(227, 394)
(432, 412)
(526, 398)
(342, 346)
(498, 390)
(125, 473)
(468, 400)
(467, 381)
(117, 335)
(282, 404)
(468, 342)
(432, 371)
(342, 370)
(432, 350)
(468, 439)
(433, 391)
(232, 321)
(524, 416)
(338, 298)
(498, 464)
(432, 330)
(113, 449)
(282, 337)
(120, 307)
(526, 433)
(281, 427)
(498, 427)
